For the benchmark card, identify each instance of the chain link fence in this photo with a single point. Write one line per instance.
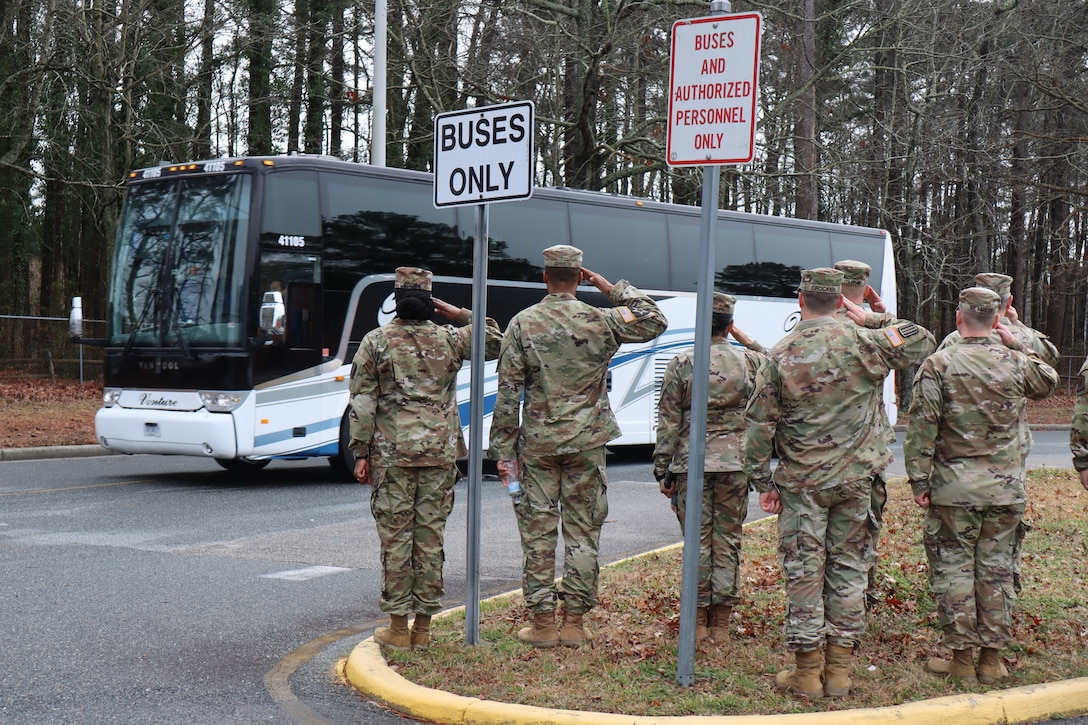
(39, 347)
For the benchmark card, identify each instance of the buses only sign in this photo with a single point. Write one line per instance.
(713, 90)
(483, 154)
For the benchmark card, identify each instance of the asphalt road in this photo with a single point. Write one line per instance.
(157, 590)
(151, 589)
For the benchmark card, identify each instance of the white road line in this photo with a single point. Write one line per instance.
(301, 575)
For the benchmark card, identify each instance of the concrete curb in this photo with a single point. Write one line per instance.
(34, 454)
(368, 672)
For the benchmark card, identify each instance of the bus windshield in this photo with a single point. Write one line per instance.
(179, 265)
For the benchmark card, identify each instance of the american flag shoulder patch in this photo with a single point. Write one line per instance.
(896, 339)
(627, 314)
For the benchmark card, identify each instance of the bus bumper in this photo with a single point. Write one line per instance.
(182, 433)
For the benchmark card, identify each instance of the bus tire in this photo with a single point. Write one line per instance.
(343, 463)
(242, 465)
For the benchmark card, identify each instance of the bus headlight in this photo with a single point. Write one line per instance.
(222, 401)
(110, 396)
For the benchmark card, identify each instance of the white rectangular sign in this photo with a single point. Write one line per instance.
(484, 154)
(713, 90)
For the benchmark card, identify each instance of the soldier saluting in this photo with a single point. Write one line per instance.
(812, 403)
(406, 437)
(556, 354)
(963, 458)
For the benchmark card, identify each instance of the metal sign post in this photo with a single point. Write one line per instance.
(481, 155)
(713, 85)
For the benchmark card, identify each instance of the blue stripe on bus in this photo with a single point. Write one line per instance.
(279, 436)
(464, 409)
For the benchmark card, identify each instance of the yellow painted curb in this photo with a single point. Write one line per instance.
(369, 673)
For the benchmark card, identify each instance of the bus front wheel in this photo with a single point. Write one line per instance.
(242, 465)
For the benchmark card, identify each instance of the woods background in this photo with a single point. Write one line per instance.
(961, 126)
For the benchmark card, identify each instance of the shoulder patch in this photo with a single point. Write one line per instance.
(894, 337)
(626, 314)
(908, 329)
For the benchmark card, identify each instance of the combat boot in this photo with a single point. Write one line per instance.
(421, 631)
(962, 665)
(702, 634)
(542, 633)
(573, 633)
(804, 678)
(990, 667)
(396, 635)
(720, 615)
(837, 671)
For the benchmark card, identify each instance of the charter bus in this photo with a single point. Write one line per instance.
(241, 288)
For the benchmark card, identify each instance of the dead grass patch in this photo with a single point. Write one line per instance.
(630, 667)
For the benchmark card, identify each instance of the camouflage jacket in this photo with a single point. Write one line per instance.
(404, 391)
(813, 403)
(1078, 434)
(732, 382)
(963, 444)
(556, 353)
(875, 319)
(1031, 340)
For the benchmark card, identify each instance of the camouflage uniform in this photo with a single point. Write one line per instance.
(963, 447)
(813, 403)
(1078, 433)
(1030, 340)
(404, 420)
(856, 274)
(557, 353)
(725, 487)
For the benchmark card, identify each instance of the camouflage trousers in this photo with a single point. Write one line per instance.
(970, 552)
(824, 545)
(570, 490)
(410, 508)
(725, 506)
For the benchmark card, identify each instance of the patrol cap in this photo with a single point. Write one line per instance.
(999, 283)
(981, 300)
(413, 278)
(854, 273)
(822, 279)
(723, 303)
(563, 255)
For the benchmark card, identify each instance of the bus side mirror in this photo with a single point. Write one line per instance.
(75, 319)
(272, 312)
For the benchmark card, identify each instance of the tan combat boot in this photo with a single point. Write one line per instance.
(542, 633)
(804, 678)
(396, 635)
(720, 615)
(702, 634)
(573, 633)
(837, 671)
(962, 665)
(990, 667)
(421, 631)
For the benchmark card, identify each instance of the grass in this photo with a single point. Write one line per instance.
(630, 667)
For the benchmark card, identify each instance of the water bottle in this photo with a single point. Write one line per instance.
(514, 489)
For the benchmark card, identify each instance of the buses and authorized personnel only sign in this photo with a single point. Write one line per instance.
(713, 90)
(484, 154)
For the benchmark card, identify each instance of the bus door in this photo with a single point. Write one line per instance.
(286, 353)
